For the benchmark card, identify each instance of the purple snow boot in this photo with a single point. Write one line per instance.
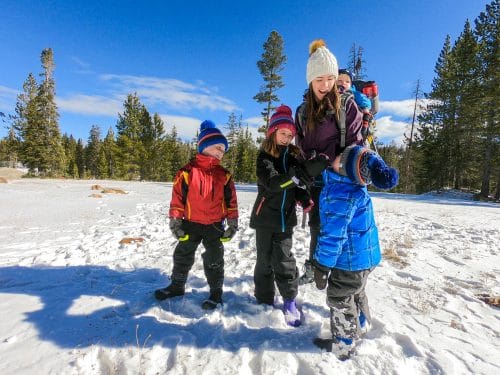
(292, 315)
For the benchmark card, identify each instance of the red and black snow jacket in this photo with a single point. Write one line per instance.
(203, 192)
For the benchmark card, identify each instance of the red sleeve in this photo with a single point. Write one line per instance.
(179, 194)
(230, 198)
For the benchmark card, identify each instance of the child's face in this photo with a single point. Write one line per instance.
(345, 81)
(217, 150)
(322, 85)
(284, 137)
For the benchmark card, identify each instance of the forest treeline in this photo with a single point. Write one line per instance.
(453, 139)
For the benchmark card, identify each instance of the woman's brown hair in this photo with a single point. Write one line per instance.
(316, 111)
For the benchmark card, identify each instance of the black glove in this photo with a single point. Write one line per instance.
(300, 177)
(321, 274)
(232, 228)
(176, 228)
(317, 164)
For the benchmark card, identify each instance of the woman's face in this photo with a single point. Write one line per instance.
(284, 137)
(322, 85)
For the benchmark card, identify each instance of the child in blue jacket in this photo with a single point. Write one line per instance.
(348, 247)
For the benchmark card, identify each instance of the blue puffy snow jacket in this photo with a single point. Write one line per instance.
(348, 237)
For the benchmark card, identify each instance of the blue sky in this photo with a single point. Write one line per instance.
(196, 60)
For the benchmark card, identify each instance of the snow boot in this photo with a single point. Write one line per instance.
(364, 324)
(173, 290)
(213, 300)
(342, 347)
(292, 314)
(308, 276)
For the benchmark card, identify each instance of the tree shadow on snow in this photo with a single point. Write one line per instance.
(95, 305)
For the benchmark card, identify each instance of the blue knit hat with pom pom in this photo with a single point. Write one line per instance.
(210, 135)
(365, 166)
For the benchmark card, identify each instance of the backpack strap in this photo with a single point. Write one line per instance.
(344, 98)
(301, 119)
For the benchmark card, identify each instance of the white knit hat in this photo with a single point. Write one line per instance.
(321, 61)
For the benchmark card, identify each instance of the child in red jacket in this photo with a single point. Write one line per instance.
(203, 197)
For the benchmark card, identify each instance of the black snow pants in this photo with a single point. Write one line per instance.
(213, 257)
(275, 263)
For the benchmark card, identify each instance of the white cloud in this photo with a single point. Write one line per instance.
(82, 67)
(254, 122)
(174, 93)
(90, 105)
(8, 98)
(402, 108)
(187, 127)
(388, 130)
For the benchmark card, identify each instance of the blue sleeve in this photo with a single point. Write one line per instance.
(361, 99)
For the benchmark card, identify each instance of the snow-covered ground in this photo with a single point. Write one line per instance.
(76, 301)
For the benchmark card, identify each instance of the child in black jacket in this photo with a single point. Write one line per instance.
(281, 185)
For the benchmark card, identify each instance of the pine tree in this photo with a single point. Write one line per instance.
(247, 157)
(465, 83)
(356, 63)
(156, 147)
(487, 31)
(433, 157)
(12, 147)
(233, 128)
(271, 64)
(109, 154)
(26, 124)
(51, 151)
(80, 158)
(129, 129)
(70, 146)
(92, 153)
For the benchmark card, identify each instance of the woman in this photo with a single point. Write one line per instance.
(317, 127)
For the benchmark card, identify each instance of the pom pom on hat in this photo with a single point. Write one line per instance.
(321, 61)
(210, 135)
(365, 166)
(315, 44)
(281, 118)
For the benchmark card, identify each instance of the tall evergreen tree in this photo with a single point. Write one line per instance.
(70, 146)
(233, 128)
(155, 150)
(93, 152)
(26, 124)
(80, 158)
(129, 130)
(109, 155)
(272, 63)
(51, 151)
(436, 122)
(487, 31)
(465, 81)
